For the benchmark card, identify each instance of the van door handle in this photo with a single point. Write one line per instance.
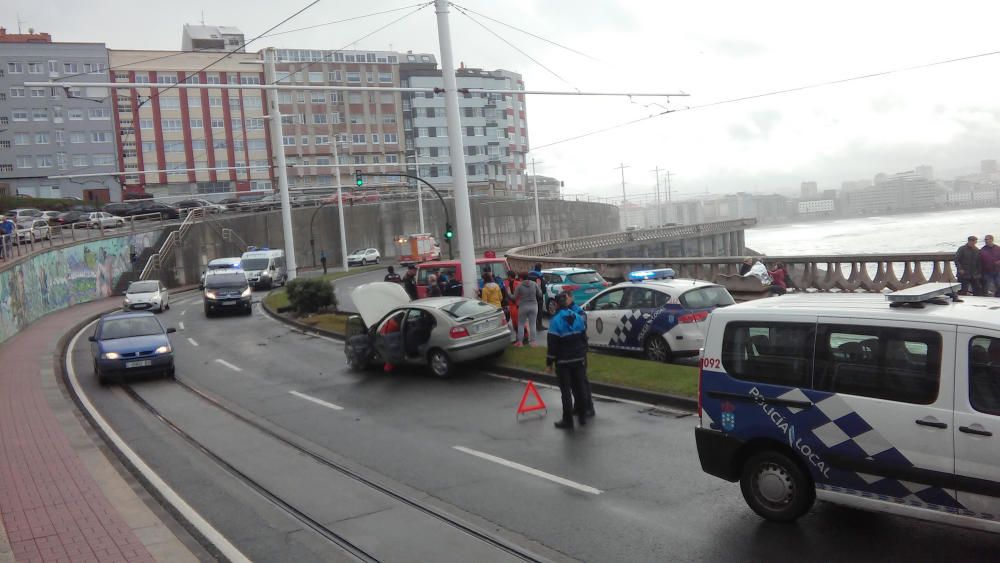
(931, 423)
(976, 431)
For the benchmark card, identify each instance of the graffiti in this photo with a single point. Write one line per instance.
(65, 277)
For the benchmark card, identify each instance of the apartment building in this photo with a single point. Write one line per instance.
(212, 38)
(168, 137)
(494, 126)
(48, 132)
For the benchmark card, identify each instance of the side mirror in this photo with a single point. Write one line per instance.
(171, 329)
(92, 338)
(273, 268)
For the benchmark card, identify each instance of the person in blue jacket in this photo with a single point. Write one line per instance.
(567, 343)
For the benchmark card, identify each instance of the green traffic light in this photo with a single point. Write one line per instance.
(358, 178)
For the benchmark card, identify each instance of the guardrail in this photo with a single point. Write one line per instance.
(174, 238)
(23, 242)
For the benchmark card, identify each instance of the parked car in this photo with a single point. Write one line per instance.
(23, 213)
(102, 220)
(51, 216)
(205, 205)
(125, 345)
(227, 290)
(120, 209)
(659, 318)
(583, 283)
(146, 295)
(453, 269)
(363, 257)
(439, 332)
(148, 206)
(31, 230)
(70, 217)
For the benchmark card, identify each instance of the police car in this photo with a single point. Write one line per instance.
(654, 314)
(583, 283)
(880, 402)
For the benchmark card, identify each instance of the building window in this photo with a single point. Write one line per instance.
(430, 112)
(385, 77)
(219, 144)
(15, 68)
(197, 144)
(335, 76)
(432, 131)
(21, 139)
(234, 102)
(69, 68)
(252, 102)
(392, 159)
(173, 147)
(218, 124)
(319, 118)
(44, 161)
(141, 77)
(354, 77)
(17, 92)
(194, 101)
(22, 161)
(148, 147)
(322, 139)
(100, 113)
(316, 77)
(249, 79)
(37, 114)
(168, 102)
(335, 117)
(38, 92)
(358, 138)
(354, 97)
(41, 138)
(79, 160)
(214, 101)
(195, 123)
(374, 138)
(359, 159)
(304, 141)
(288, 141)
(171, 124)
(256, 144)
(143, 123)
(434, 171)
(100, 137)
(166, 78)
(255, 123)
(336, 97)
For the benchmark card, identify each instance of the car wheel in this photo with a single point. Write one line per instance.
(364, 262)
(208, 312)
(170, 373)
(377, 260)
(101, 378)
(656, 349)
(775, 487)
(248, 311)
(440, 364)
(552, 307)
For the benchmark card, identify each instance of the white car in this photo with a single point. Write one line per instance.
(103, 220)
(23, 213)
(364, 256)
(147, 295)
(31, 230)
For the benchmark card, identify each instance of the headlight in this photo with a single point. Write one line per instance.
(111, 356)
(127, 301)
(246, 292)
(265, 275)
(210, 294)
(163, 349)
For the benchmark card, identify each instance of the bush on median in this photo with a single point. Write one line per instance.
(310, 295)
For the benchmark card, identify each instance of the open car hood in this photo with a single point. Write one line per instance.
(375, 300)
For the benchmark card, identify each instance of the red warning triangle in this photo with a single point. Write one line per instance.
(537, 406)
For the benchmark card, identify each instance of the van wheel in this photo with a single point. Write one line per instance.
(656, 349)
(440, 364)
(776, 488)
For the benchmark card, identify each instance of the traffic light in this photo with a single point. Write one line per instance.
(448, 232)
(358, 178)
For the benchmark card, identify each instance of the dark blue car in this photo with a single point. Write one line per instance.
(126, 345)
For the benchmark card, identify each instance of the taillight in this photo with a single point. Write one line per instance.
(693, 317)
(570, 287)
(458, 332)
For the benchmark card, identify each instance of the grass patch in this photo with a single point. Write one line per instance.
(334, 322)
(618, 370)
(277, 298)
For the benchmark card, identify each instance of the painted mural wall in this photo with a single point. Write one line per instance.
(65, 277)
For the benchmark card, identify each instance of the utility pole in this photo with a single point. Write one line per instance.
(659, 218)
(622, 167)
(538, 217)
(340, 205)
(420, 194)
(669, 195)
(278, 155)
(463, 214)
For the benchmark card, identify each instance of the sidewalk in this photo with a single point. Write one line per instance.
(55, 482)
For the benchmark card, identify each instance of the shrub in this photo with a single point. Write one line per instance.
(310, 295)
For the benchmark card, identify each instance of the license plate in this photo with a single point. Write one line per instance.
(139, 364)
(483, 326)
(232, 302)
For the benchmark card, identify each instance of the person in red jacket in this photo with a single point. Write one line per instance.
(779, 279)
(989, 260)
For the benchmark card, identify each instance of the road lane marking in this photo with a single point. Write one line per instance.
(530, 470)
(170, 495)
(181, 324)
(184, 312)
(229, 365)
(192, 341)
(317, 401)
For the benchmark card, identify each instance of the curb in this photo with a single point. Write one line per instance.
(616, 391)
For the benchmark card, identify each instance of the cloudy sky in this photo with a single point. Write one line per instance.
(947, 116)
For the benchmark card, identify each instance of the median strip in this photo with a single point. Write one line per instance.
(529, 470)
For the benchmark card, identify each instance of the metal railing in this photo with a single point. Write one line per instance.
(23, 242)
(174, 238)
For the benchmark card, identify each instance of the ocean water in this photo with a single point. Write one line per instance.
(940, 231)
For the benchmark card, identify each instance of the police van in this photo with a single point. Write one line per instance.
(653, 314)
(880, 402)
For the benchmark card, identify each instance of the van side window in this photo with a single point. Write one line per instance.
(984, 374)
(771, 353)
(897, 364)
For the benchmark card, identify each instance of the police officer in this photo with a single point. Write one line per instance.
(567, 341)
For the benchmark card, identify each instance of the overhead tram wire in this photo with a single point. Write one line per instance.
(512, 46)
(536, 36)
(771, 93)
(326, 59)
(344, 20)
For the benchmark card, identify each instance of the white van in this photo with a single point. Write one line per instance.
(881, 402)
(264, 267)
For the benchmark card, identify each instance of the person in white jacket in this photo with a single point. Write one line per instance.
(759, 270)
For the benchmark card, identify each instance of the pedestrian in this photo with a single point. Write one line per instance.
(510, 287)
(540, 280)
(442, 284)
(7, 226)
(567, 351)
(989, 263)
(968, 264)
(779, 279)
(746, 265)
(322, 260)
(453, 287)
(410, 282)
(526, 298)
(392, 276)
(433, 289)
(759, 271)
(491, 292)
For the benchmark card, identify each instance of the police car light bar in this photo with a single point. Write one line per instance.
(643, 275)
(925, 292)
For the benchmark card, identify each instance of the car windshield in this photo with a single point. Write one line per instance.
(706, 297)
(128, 327)
(143, 287)
(585, 277)
(359, 251)
(226, 280)
(468, 308)
(255, 263)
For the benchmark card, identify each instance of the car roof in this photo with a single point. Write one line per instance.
(672, 284)
(567, 271)
(971, 311)
(127, 315)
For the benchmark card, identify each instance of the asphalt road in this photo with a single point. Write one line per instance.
(627, 487)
